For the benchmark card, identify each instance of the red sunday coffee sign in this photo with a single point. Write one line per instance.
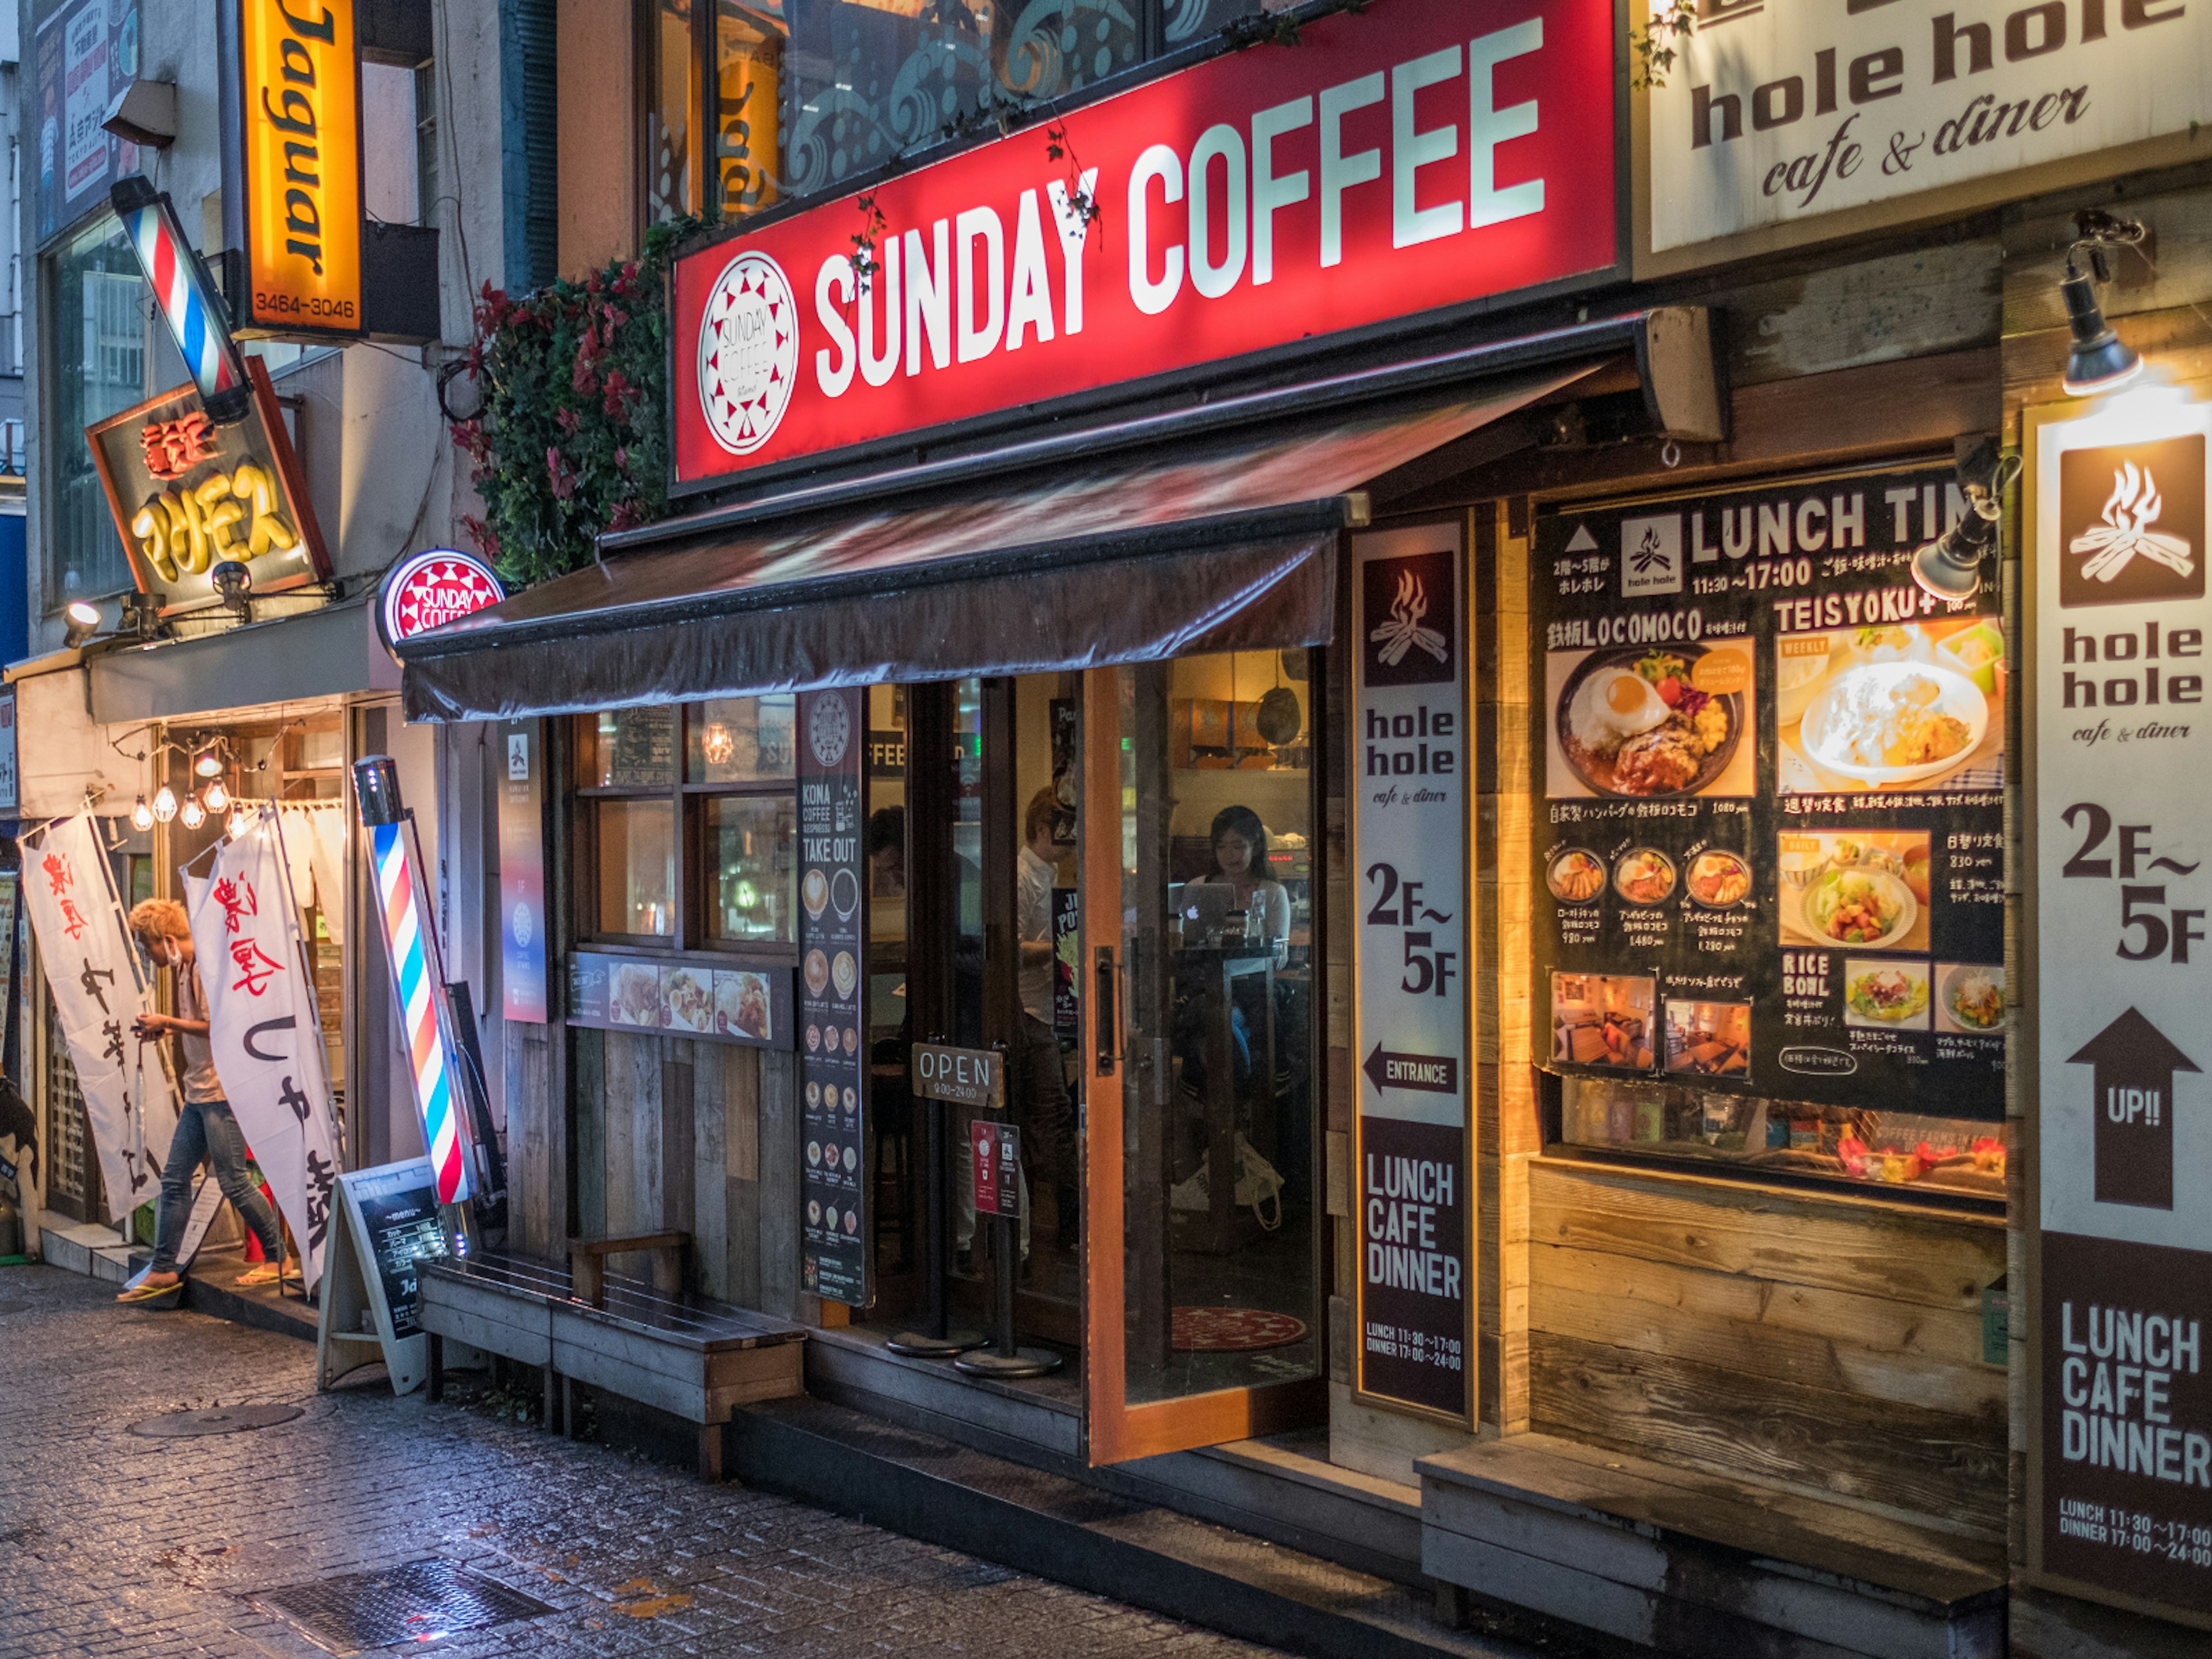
(1419, 154)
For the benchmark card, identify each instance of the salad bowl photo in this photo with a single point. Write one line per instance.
(1866, 908)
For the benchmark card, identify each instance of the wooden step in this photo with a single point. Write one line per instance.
(1693, 1563)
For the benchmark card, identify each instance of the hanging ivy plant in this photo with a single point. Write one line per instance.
(571, 436)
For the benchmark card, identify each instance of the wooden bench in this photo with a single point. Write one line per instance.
(690, 1355)
(1691, 1563)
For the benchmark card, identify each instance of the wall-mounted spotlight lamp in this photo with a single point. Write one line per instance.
(234, 582)
(83, 622)
(2099, 360)
(1950, 567)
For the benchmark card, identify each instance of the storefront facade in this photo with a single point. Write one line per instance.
(1494, 889)
(166, 704)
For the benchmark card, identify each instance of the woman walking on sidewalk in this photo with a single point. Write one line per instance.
(207, 1131)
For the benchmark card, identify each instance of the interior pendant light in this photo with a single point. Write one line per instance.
(165, 803)
(239, 822)
(142, 816)
(208, 764)
(190, 814)
(215, 796)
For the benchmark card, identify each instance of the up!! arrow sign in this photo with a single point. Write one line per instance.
(1432, 1075)
(2132, 1101)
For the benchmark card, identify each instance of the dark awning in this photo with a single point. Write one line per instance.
(1217, 543)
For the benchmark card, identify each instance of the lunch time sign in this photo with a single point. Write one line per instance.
(1420, 156)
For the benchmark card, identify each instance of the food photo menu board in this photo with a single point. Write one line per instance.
(1770, 861)
(833, 1060)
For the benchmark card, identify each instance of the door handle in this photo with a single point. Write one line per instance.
(1104, 1016)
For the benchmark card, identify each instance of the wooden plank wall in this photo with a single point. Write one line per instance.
(1829, 1343)
(675, 1133)
(1507, 1129)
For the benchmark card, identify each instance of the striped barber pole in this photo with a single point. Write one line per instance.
(410, 969)
(181, 287)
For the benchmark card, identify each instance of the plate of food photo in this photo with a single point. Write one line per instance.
(1859, 905)
(1892, 723)
(1576, 877)
(1974, 997)
(1719, 880)
(1631, 724)
(1645, 876)
(1885, 993)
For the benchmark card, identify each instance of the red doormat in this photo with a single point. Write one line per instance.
(1221, 1330)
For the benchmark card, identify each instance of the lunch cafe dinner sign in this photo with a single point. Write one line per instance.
(2120, 1470)
(1776, 115)
(1416, 156)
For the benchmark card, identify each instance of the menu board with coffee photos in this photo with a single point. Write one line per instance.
(833, 1059)
(1770, 861)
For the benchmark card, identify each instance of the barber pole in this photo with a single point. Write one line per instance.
(181, 287)
(400, 907)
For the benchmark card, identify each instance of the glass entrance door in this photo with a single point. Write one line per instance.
(1203, 1306)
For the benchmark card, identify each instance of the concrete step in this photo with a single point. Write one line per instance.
(211, 1286)
(1082, 1535)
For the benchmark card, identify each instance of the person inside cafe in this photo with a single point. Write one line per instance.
(1239, 902)
(207, 1131)
(1041, 1104)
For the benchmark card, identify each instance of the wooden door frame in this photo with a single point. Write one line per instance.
(1114, 1431)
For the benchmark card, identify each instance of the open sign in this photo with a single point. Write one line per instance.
(967, 1077)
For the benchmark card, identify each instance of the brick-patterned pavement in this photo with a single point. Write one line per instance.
(112, 1544)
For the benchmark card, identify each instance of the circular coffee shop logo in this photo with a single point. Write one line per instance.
(748, 353)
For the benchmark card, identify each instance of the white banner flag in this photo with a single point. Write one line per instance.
(267, 1042)
(92, 970)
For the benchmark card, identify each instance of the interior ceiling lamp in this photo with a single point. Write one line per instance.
(233, 581)
(142, 816)
(165, 803)
(2099, 360)
(190, 304)
(83, 624)
(190, 814)
(1950, 567)
(215, 797)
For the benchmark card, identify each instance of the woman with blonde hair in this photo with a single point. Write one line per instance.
(206, 1131)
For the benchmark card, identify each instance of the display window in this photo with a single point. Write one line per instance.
(747, 104)
(688, 815)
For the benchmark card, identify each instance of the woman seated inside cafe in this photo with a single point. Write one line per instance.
(1238, 884)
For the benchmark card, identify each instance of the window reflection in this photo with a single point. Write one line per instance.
(637, 867)
(750, 844)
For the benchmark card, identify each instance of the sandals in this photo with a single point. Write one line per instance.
(266, 1273)
(145, 1292)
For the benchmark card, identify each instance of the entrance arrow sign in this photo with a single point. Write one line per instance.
(2131, 1100)
(1433, 1074)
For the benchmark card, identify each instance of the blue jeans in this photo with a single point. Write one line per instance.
(208, 1133)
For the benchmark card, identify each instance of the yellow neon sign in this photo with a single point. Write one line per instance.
(300, 128)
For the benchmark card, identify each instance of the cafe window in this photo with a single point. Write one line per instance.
(690, 817)
(1862, 1145)
(797, 98)
(96, 319)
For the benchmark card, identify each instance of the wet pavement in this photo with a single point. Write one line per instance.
(242, 1543)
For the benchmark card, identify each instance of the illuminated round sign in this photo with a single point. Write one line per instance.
(425, 591)
(748, 352)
